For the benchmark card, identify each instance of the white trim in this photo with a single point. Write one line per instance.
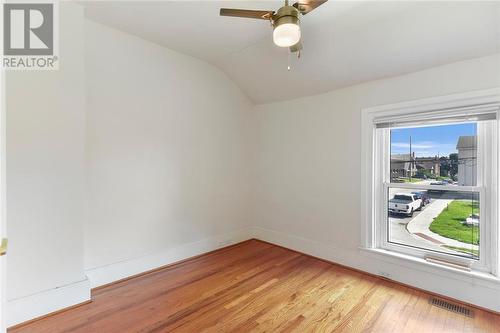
(477, 278)
(437, 103)
(345, 257)
(435, 187)
(33, 306)
(372, 185)
(471, 287)
(475, 288)
(99, 276)
(368, 169)
(45, 302)
(450, 116)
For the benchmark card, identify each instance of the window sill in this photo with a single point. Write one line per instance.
(475, 277)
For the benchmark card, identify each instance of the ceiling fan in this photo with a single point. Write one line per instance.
(285, 21)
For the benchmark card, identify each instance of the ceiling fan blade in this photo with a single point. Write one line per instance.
(253, 14)
(305, 6)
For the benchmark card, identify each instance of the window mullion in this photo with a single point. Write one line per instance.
(457, 188)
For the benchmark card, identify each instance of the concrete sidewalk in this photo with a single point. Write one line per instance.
(421, 223)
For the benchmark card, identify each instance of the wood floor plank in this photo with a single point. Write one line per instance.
(258, 287)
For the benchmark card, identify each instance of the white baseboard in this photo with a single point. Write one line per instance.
(472, 290)
(304, 245)
(33, 306)
(45, 302)
(110, 273)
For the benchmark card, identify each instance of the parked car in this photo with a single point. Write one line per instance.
(423, 196)
(440, 183)
(405, 203)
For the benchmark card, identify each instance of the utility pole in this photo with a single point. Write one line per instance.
(411, 162)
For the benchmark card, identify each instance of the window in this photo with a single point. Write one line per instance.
(431, 181)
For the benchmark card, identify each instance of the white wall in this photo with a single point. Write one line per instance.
(131, 156)
(45, 178)
(147, 157)
(168, 139)
(309, 167)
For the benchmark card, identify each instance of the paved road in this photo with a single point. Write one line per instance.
(421, 223)
(399, 233)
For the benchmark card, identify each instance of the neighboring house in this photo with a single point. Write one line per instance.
(406, 165)
(403, 165)
(430, 164)
(467, 154)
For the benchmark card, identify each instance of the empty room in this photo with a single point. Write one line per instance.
(250, 166)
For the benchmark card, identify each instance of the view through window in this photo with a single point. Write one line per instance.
(443, 213)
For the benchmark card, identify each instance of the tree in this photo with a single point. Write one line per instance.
(444, 166)
(449, 165)
(454, 165)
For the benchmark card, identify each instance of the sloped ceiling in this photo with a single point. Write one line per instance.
(345, 42)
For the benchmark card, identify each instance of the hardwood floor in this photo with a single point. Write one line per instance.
(259, 287)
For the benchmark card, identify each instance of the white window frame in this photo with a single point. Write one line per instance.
(374, 183)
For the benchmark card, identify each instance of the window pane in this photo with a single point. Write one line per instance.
(438, 220)
(438, 155)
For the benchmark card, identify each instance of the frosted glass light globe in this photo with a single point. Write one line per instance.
(286, 35)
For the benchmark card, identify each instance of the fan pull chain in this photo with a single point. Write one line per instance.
(289, 66)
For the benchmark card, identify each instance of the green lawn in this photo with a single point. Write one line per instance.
(449, 222)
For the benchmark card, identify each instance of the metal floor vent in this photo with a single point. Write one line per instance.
(444, 304)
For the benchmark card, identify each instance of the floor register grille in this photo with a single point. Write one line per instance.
(451, 306)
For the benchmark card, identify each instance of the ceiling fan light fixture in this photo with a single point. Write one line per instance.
(286, 27)
(286, 35)
(286, 23)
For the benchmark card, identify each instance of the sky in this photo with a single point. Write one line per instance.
(429, 141)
